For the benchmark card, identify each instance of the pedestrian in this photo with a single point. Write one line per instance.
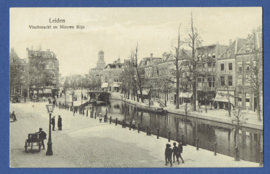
(133, 124)
(180, 148)
(13, 116)
(59, 123)
(53, 122)
(42, 137)
(175, 153)
(49, 100)
(100, 117)
(168, 154)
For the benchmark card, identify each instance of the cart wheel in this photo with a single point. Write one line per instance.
(31, 146)
(39, 146)
(25, 147)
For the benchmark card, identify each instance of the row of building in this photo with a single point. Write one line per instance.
(227, 80)
(35, 76)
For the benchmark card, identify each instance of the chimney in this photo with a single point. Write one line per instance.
(151, 58)
(230, 42)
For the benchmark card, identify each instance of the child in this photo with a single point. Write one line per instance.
(100, 117)
(175, 153)
(168, 154)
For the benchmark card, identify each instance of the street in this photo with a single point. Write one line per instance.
(84, 142)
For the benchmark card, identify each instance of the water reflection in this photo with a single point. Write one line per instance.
(208, 132)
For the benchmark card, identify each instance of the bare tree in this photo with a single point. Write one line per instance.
(190, 61)
(255, 67)
(138, 77)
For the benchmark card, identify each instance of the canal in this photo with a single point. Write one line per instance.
(208, 132)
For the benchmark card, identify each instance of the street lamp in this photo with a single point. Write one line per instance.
(50, 108)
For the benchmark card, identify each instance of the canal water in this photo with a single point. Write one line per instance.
(208, 132)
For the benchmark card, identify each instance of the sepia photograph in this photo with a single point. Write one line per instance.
(136, 87)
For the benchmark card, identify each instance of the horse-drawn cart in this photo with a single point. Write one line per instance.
(33, 139)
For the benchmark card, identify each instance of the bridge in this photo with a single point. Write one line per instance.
(99, 95)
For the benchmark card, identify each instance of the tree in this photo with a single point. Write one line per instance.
(138, 75)
(237, 122)
(194, 65)
(255, 68)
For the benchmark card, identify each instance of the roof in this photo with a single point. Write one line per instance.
(114, 65)
(43, 54)
(255, 41)
(233, 48)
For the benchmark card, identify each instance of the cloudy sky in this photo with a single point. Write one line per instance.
(117, 31)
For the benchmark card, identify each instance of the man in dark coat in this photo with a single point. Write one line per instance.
(180, 148)
(13, 116)
(175, 153)
(53, 122)
(42, 136)
(59, 123)
(168, 154)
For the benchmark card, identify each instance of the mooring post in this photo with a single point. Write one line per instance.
(197, 143)
(116, 122)
(129, 125)
(215, 151)
(169, 137)
(261, 158)
(157, 133)
(139, 128)
(147, 130)
(95, 115)
(110, 119)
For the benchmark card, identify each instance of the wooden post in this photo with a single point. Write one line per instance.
(237, 158)
(197, 143)
(129, 125)
(261, 158)
(95, 115)
(157, 133)
(123, 122)
(183, 140)
(147, 130)
(110, 119)
(215, 151)
(139, 128)
(169, 137)
(87, 113)
(116, 122)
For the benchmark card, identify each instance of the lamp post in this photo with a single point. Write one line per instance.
(50, 108)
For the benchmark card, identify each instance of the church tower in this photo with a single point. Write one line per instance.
(100, 63)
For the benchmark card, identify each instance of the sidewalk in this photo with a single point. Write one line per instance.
(84, 142)
(219, 115)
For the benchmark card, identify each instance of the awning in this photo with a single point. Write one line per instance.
(116, 85)
(47, 91)
(144, 92)
(222, 96)
(104, 85)
(186, 94)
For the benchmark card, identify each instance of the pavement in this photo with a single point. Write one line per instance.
(84, 142)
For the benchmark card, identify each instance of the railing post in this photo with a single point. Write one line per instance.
(169, 137)
(197, 143)
(129, 125)
(116, 122)
(157, 133)
(123, 123)
(139, 128)
(95, 115)
(236, 154)
(182, 139)
(215, 151)
(261, 158)
(147, 130)
(110, 119)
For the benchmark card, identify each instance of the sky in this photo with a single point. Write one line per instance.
(117, 31)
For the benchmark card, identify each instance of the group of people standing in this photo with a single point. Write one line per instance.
(176, 152)
(59, 123)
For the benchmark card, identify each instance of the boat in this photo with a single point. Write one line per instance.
(151, 109)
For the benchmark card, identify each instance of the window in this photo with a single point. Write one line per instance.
(247, 80)
(239, 80)
(239, 100)
(247, 65)
(209, 64)
(239, 66)
(222, 80)
(222, 67)
(230, 66)
(230, 81)
(247, 100)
